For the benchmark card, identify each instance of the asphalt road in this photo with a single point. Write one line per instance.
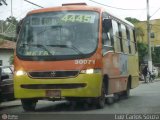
(145, 99)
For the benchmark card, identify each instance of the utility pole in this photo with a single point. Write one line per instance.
(2, 27)
(148, 38)
(11, 9)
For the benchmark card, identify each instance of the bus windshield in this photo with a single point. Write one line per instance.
(69, 34)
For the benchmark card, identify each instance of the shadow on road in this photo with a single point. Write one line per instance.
(72, 106)
(66, 106)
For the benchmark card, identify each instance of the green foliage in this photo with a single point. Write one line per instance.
(142, 51)
(8, 28)
(138, 30)
(156, 55)
(7, 38)
(132, 20)
(12, 20)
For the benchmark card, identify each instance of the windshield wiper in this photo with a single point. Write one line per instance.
(68, 46)
(40, 45)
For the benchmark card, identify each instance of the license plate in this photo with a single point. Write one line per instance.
(53, 93)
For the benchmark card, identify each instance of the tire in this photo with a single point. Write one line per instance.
(28, 104)
(116, 97)
(1, 97)
(110, 100)
(126, 93)
(100, 101)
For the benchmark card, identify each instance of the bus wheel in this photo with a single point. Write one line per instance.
(29, 104)
(116, 97)
(110, 100)
(100, 101)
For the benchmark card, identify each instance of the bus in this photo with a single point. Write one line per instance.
(74, 52)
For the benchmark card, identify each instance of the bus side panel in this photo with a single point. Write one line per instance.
(115, 66)
(133, 70)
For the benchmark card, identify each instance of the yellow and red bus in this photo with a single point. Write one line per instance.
(74, 52)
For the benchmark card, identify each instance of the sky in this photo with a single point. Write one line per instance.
(122, 8)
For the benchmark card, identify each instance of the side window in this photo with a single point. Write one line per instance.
(128, 39)
(133, 42)
(116, 37)
(124, 39)
(120, 37)
(107, 37)
(107, 28)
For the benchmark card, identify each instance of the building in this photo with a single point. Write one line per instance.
(154, 38)
(6, 51)
(155, 32)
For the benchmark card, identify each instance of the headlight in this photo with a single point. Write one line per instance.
(91, 71)
(20, 73)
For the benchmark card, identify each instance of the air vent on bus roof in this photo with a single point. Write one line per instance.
(68, 4)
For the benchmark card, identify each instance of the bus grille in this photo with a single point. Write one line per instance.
(54, 86)
(53, 74)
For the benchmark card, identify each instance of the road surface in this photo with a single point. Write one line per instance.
(145, 99)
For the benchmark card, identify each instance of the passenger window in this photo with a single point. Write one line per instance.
(133, 44)
(124, 39)
(117, 38)
(120, 36)
(129, 40)
(107, 40)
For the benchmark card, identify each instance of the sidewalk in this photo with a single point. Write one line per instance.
(10, 103)
(156, 80)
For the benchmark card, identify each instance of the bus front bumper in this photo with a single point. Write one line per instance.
(84, 85)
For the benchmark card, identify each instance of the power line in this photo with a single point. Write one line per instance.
(115, 7)
(33, 4)
(155, 12)
(24, 11)
(3, 1)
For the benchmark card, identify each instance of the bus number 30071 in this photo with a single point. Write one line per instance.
(84, 61)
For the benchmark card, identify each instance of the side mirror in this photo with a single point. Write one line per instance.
(19, 26)
(4, 77)
(107, 24)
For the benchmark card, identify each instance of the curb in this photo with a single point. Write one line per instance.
(156, 80)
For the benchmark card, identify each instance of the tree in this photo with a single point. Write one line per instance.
(8, 28)
(132, 20)
(12, 20)
(156, 55)
(142, 51)
(138, 30)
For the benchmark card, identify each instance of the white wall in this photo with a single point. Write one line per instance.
(5, 56)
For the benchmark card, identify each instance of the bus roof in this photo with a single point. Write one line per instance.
(66, 8)
(119, 18)
(78, 6)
